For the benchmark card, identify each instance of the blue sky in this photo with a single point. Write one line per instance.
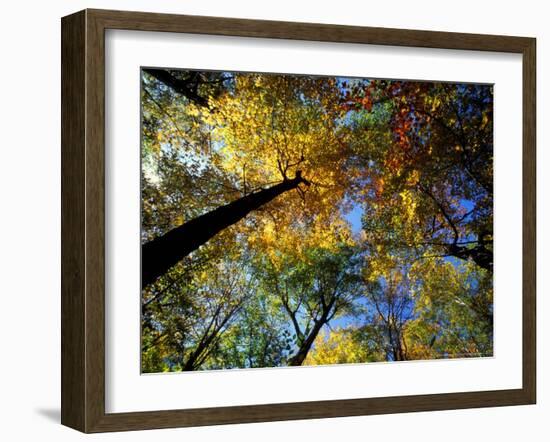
(354, 218)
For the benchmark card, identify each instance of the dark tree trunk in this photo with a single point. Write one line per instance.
(479, 254)
(304, 349)
(182, 87)
(306, 345)
(194, 360)
(162, 253)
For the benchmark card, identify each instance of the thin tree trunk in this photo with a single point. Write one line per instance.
(196, 358)
(304, 349)
(162, 253)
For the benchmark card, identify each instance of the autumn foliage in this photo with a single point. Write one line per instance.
(340, 220)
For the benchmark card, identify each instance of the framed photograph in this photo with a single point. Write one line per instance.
(266, 221)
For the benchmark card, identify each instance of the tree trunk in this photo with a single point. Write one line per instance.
(162, 253)
(182, 87)
(304, 349)
(479, 254)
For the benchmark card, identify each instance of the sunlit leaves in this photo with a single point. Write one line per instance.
(267, 129)
(293, 282)
(339, 346)
(428, 187)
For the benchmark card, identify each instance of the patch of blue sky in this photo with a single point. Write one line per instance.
(354, 218)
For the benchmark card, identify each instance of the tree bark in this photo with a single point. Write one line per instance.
(162, 253)
(306, 345)
(304, 349)
(182, 87)
(479, 254)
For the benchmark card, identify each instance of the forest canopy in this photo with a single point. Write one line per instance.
(293, 220)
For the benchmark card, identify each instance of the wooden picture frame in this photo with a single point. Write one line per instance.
(83, 218)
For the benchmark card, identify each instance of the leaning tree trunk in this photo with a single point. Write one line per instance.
(182, 87)
(304, 349)
(162, 253)
(306, 345)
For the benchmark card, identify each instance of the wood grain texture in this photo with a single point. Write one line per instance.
(83, 218)
(95, 222)
(143, 21)
(529, 221)
(73, 253)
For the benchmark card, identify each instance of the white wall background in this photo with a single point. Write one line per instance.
(30, 220)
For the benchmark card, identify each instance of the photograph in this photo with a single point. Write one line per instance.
(297, 220)
(267, 221)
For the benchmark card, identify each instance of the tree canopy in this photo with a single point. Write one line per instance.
(301, 220)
